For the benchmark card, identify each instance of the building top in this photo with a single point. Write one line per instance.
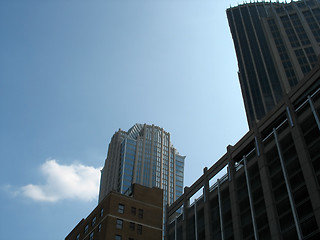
(276, 4)
(276, 45)
(137, 130)
(144, 155)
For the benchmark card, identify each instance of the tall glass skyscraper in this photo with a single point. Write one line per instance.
(276, 44)
(146, 156)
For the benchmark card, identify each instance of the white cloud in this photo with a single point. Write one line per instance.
(74, 181)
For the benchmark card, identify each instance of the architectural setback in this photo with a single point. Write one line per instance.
(276, 44)
(137, 215)
(271, 186)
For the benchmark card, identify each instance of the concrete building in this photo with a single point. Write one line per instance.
(270, 182)
(146, 156)
(276, 44)
(137, 215)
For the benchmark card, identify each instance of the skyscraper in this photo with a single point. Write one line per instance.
(143, 155)
(276, 44)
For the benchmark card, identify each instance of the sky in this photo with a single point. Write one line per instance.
(72, 72)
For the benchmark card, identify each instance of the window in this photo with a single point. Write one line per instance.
(118, 237)
(99, 228)
(133, 210)
(119, 224)
(91, 236)
(78, 236)
(86, 228)
(140, 213)
(101, 212)
(93, 222)
(139, 229)
(132, 226)
(120, 208)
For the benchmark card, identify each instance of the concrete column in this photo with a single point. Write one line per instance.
(255, 230)
(195, 221)
(207, 212)
(186, 203)
(220, 210)
(233, 198)
(267, 190)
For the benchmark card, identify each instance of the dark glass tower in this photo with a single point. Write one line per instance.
(276, 44)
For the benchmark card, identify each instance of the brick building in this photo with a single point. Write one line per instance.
(137, 216)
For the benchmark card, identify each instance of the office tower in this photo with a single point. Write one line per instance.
(276, 45)
(143, 155)
(122, 217)
(266, 186)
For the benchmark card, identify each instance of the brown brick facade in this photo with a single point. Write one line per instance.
(121, 217)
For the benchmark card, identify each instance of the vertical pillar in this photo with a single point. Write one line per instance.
(257, 146)
(175, 229)
(166, 230)
(233, 198)
(195, 221)
(255, 230)
(186, 203)
(220, 211)
(316, 117)
(140, 181)
(207, 212)
(267, 189)
(289, 116)
(152, 157)
(284, 171)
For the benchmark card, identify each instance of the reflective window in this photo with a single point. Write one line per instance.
(93, 222)
(139, 229)
(101, 212)
(140, 213)
(132, 225)
(133, 210)
(120, 208)
(119, 224)
(91, 236)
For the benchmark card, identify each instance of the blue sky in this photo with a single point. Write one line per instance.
(74, 72)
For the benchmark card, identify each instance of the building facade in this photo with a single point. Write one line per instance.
(143, 155)
(271, 185)
(276, 45)
(124, 217)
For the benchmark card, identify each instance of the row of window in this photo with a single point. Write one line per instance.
(91, 234)
(119, 237)
(121, 209)
(93, 222)
(119, 225)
